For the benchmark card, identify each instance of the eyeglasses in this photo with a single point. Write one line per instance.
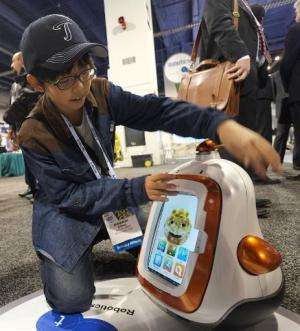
(68, 81)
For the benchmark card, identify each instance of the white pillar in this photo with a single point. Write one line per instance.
(132, 62)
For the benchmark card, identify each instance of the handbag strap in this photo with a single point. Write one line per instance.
(235, 19)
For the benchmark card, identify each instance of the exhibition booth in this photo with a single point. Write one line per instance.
(204, 262)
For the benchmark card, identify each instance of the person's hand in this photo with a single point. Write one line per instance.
(240, 70)
(158, 187)
(249, 147)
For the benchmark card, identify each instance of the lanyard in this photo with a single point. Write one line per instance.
(85, 153)
(111, 170)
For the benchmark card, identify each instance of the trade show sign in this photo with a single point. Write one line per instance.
(176, 66)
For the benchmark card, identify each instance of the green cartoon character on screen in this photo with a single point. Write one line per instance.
(178, 226)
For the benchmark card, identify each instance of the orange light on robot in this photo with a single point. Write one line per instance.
(256, 256)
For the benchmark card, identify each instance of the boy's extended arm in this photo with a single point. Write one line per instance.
(152, 113)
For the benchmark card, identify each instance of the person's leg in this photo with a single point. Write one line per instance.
(246, 117)
(29, 179)
(69, 292)
(264, 119)
(247, 111)
(282, 135)
(295, 114)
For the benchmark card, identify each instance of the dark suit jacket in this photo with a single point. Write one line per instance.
(290, 66)
(220, 40)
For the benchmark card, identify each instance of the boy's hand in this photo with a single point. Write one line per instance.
(249, 147)
(157, 187)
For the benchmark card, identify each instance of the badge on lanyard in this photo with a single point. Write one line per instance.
(123, 229)
(122, 225)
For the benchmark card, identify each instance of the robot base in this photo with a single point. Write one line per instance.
(121, 305)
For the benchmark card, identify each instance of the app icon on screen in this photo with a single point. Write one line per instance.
(171, 250)
(168, 262)
(183, 254)
(179, 270)
(157, 260)
(162, 245)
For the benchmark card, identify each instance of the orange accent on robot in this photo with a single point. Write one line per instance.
(256, 256)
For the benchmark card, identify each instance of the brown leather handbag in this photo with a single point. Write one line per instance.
(207, 84)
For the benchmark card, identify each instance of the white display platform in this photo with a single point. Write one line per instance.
(122, 303)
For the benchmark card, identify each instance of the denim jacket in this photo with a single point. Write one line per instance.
(69, 200)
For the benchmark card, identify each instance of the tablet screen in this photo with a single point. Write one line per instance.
(174, 238)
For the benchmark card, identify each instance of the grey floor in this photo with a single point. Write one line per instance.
(19, 269)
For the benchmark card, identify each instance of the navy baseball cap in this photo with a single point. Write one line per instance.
(55, 42)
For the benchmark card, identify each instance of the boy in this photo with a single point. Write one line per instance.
(67, 140)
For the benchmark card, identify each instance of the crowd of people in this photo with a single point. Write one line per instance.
(64, 117)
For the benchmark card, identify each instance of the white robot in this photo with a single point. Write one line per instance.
(203, 257)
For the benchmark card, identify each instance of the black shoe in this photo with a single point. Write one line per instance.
(267, 181)
(263, 213)
(295, 178)
(29, 197)
(263, 203)
(27, 192)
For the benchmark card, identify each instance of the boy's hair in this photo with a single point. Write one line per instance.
(47, 75)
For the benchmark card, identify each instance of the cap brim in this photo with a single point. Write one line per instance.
(63, 60)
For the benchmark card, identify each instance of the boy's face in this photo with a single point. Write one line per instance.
(17, 63)
(73, 98)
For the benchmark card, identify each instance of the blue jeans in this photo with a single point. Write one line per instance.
(69, 292)
(72, 292)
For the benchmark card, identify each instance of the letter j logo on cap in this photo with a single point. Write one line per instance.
(65, 26)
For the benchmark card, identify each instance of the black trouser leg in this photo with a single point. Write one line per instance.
(295, 115)
(282, 135)
(246, 117)
(264, 119)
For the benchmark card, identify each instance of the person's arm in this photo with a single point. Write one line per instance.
(249, 147)
(89, 199)
(291, 55)
(152, 113)
(218, 19)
